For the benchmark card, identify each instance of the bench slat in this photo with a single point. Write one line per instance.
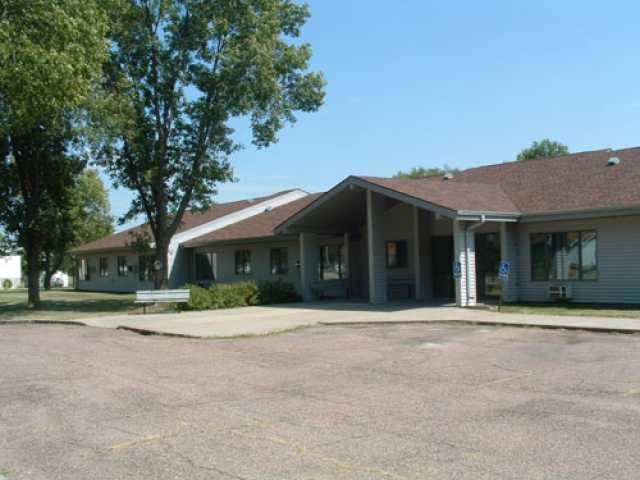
(158, 296)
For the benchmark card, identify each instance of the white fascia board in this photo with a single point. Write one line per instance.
(507, 217)
(237, 216)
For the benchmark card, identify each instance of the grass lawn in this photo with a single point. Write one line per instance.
(573, 309)
(64, 304)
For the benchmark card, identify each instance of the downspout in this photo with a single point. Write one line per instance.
(470, 228)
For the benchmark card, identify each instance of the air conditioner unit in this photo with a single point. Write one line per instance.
(560, 292)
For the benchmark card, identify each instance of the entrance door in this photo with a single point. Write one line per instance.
(487, 265)
(442, 258)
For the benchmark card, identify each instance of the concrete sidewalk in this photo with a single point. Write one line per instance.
(273, 319)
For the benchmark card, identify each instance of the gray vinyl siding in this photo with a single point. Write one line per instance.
(618, 254)
(260, 262)
(112, 283)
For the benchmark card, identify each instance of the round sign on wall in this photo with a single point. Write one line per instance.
(157, 264)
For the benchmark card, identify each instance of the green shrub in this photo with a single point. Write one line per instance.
(7, 284)
(277, 292)
(200, 298)
(240, 294)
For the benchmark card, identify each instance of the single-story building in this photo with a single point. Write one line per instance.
(568, 226)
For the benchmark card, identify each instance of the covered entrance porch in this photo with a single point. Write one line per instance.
(372, 241)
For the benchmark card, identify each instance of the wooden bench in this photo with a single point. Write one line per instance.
(161, 296)
(400, 288)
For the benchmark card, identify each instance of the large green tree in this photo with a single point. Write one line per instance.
(86, 217)
(51, 54)
(181, 72)
(543, 148)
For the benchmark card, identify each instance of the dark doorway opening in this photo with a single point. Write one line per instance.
(442, 262)
(487, 265)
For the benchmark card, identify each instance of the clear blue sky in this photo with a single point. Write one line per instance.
(421, 82)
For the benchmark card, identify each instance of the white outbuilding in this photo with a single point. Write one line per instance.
(10, 271)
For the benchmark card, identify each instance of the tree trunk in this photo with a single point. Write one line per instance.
(33, 273)
(48, 273)
(161, 275)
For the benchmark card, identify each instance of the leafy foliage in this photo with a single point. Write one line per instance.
(543, 148)
(424, 172)
(180, 72)
(51, 53)
(240, 294)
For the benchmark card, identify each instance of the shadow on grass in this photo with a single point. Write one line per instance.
(64, 304)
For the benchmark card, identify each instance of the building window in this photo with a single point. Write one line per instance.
(123, 268)
(564, 256)
(331, 262)
(243, 262)
(397, 254)
(104, 267)
(205, 267)
(279, 261)
(145, 268)
(83, 270)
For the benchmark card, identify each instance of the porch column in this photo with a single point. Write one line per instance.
(309, 260)
(346, 253)
(464, 252)
(509, 253)
(416, 254)
(375, 250)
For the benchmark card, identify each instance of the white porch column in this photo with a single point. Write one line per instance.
(464, 252)
(375, 251)
(417, 273)
(509, 253)
(309, 258)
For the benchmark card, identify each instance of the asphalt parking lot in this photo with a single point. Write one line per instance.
(367, 402)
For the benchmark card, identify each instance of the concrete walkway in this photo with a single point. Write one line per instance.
(274, 319)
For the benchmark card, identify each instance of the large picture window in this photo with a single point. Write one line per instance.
(145, 268)
(564, 256)
(279, 261)
(397, 254)
(104, 267)
(205, 267)
(243, 262)
(332, 262)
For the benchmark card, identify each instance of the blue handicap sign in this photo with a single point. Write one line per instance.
(457, 269)
(503, 271)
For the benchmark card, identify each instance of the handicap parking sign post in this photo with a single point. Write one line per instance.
(503, 271)
(457, 270)
(503, 274)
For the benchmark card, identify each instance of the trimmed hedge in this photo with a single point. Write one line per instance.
(240, 294)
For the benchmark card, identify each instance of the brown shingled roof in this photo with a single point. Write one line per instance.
(579, 181)
(574, 182)
(451, 195)
(123, 240)
(258, 226)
